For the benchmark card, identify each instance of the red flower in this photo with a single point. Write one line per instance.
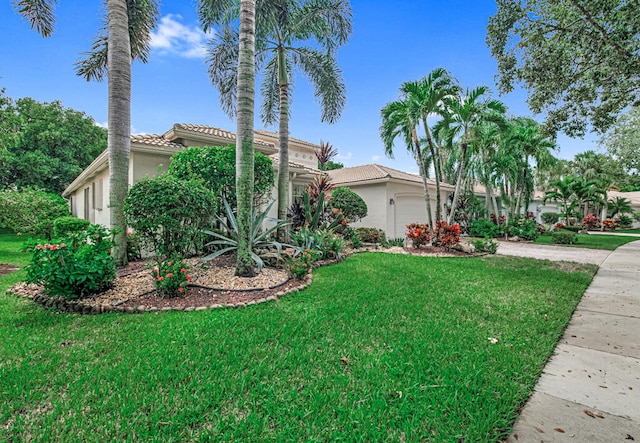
(180, 290)
(188, 278)
(183, 270)
(169, 275)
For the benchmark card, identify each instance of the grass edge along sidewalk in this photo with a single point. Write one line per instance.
(380, 347)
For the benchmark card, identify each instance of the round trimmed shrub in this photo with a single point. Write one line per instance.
(564, 237)
(69, 225)
(169, 214)
(351, 204)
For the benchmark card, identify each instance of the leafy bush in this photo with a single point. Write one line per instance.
(351, 204)
(371, 235)
(79, 265)
(262, 242)
(564, 237)
(625, 222)
(169, 214)
(216, 167)
(446, 235)
(483, 227)
(171, 277)
(550, 217)
(393, 242)
(590, 221)
(573, 228)
(610, 224)
(355, 241)
(323, 242)
(524, 228)
(301, 265)
(485, 245)
(419, 234)
(69, 225)
(315, 213)
(31, 211)
(559, 226)
(134, 250)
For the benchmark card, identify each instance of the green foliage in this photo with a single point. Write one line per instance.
(301, 265)
(134, 250)
(619, 205)
(578, 60)
(524, 228)
(484, 227)
(550, 218)
(171, 277)
(330, 166)
(44, 144)
(623, 140)
(262, 242)
(564, 237)
(69, 225)
(393, 242)
(169, 214)
(31, 211)
(625, 222)
(79, 265)
(486, 244)
(324, 242)
(316, 214)
(371, 235)
(351, 204)
(216, 167)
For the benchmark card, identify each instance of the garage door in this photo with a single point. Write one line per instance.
(409, 209)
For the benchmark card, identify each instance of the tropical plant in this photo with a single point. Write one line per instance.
(419, 234)
(619, 205)
(127, 35)
(590, 222)
(371, 235)
(301, 265)
(78, 265)
(262, 242)
(171, 277)
(280, 25)
(562, 191)
(550, 217)
(446, 235)
(625, 222)
(325, 155)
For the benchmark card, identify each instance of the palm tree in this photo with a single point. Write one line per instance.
(465, 112)
(401, 119)
(487, 141)
(242, 63)
(280, 25)
(128, 33)
(619, 205)
(562, 191)
(428, 95)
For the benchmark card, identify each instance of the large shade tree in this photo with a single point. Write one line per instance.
(290, 36)
(243, 64)
(579, 59)
(127, 35)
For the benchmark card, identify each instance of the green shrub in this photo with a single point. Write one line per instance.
(69, 225)
(393, 242)
(625, 222)
(573, 228)
(171, 277)
(79, 265)
(483, 227)
(323, 242)
(169, 214)
(524, 228)
(564, 237)
(371, 235)
(351, 204)
(301, 265)
(134, 250)
(31, 211)
(216, 168)
(355, 241)
(550, 217)
(485, 245)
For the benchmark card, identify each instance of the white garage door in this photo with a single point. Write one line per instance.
(409, 209)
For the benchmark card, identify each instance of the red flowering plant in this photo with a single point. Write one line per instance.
(610, 224)
(171, 277)
(590, 221)
(419, 234)
(446, 235)
(558, 226)
(301, 265)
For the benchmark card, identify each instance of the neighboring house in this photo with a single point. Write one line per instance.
(151, 154)
(394, 198)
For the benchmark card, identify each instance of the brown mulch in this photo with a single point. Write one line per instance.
(7, 269)
(213, 284)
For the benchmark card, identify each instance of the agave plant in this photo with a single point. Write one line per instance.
(260, 240)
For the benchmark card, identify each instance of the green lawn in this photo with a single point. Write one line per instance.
(590, 241)
(381, 347)
(629, 231)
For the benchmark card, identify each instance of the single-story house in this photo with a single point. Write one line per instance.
(151, 154)
(394, 198)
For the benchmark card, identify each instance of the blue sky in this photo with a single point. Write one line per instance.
(392, 42)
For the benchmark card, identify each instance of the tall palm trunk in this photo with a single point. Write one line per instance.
(427, 198)
(119, 120)
(244, 139)
(283, 139)
(436, 169)
(456, 194)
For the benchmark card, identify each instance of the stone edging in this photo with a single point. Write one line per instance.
(64, 305)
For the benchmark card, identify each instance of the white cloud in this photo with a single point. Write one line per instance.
(173, 37)
(375, 158)
(134, 131)
(104, 125)
(341, 157)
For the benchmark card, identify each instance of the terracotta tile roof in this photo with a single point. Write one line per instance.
(371, 172)
(155, 140)
(297, 140)
(216, 132)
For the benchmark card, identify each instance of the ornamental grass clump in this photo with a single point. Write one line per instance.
(171, 277)
(78, 265)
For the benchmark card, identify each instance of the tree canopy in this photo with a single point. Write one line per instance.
(579, 59)
(623, 141)
(45, 144)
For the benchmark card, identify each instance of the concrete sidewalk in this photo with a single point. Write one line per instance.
(554, 253)
(590, 388)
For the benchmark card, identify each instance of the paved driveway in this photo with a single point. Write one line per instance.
(554, 253)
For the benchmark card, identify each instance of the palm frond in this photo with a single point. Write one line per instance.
(326, 21)
(223, 67)
(39, 14)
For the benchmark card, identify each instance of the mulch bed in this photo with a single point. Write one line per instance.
(214, 286)
(7, 269)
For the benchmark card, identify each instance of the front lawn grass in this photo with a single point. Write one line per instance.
(380, 347)
(590, 241)
(629, 231)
